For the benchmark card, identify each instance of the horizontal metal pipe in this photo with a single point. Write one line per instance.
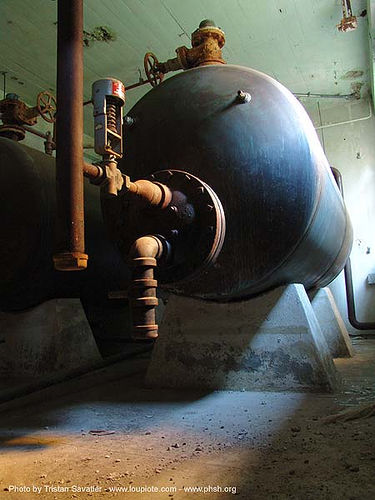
(347, 122)
(147, 192)
(92, 171)
(152, 193)
(353, 95)
(34, 131)
(135, 85)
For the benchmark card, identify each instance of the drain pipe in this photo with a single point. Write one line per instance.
(70, 244)
(349, 289)
(144, 254)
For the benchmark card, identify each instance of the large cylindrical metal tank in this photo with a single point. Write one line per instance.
(28, 212)
(285, 218)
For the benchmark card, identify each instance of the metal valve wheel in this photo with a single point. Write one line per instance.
(47, 106)
(154, 75)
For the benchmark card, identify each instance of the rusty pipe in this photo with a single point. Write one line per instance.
(34, 131)
(70, 245)
(144, 255)
(151, 193)
(93, 172)
(207, 42)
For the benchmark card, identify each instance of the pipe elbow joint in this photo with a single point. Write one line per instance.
(146, 247)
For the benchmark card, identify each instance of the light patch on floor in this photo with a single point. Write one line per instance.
(251, 445)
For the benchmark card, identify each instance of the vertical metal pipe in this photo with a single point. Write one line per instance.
(349, 287)
(70, 246)
(142, 291)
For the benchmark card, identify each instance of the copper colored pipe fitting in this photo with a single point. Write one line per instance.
(207, 43)
(152, 193)
(142, 291)
(92, 171)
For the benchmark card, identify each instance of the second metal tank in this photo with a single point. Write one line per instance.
(27, 198)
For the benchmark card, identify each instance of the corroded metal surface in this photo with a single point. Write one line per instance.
(207, 42)
(47, 106)
(70, 237)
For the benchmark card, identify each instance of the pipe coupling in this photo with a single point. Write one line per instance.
(144, 255)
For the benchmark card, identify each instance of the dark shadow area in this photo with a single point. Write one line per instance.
(310, 459)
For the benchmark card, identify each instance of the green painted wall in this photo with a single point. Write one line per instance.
(350, 147)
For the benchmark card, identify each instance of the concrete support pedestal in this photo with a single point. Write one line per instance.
(331, 323)
(54, 336)
(271, 342)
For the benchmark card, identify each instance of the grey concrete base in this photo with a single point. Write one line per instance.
(271, 342)
(331, 323)
(51, 337)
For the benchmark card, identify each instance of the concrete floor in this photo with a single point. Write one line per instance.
(106, 431)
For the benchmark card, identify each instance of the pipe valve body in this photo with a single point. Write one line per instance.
(206, 49)
(108, 97)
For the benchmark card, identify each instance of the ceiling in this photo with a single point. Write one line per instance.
(295, 41)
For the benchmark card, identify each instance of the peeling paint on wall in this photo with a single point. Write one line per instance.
(98, 34)
(354, 73)
(356, 89)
